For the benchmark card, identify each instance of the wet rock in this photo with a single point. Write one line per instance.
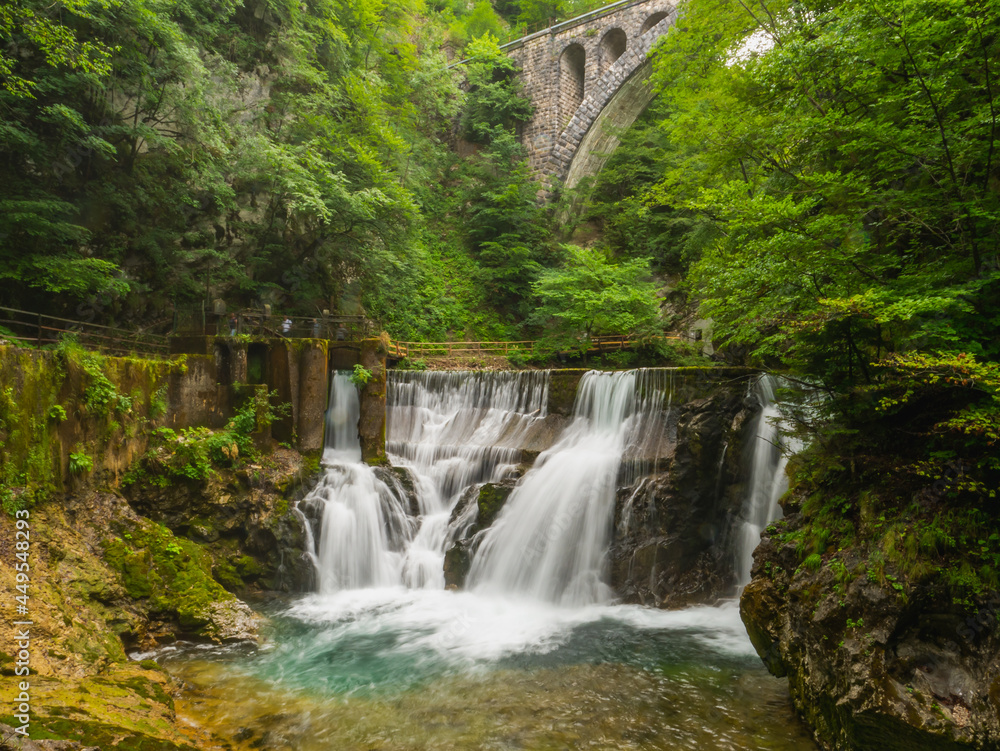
(401, 480)
(673, 527)
(480, 506)
(457, 563)
(491, 500)
(232, 620)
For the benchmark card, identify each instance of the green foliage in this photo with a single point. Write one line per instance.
(591, 296)
(172, 153)
(194, 453)
(626, 204)
(495, 102)
(853, 212)
(80, 463)
(158, 403)
(506, 225)
(408, 364)
(57, 413)
(907, 468)
(479, 22)
(47, 30)
(360, 376)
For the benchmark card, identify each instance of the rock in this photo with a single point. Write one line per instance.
(232, 620)
(401, 480)
(457, 563)
(673, 526)
(238, 514)
(870, 666)
(481, 506)
(13, 740)
(491, 500)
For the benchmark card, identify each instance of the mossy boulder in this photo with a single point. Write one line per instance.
(475, 511)
(242, 517)
(173, 577)
(492, 497)
(870, 665)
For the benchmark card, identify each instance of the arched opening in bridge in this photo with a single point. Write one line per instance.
(613, 46)
(572, 68)
(652, 21)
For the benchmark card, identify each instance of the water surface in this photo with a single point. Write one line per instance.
(424, 669)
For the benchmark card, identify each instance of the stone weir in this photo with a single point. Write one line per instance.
(682, 482)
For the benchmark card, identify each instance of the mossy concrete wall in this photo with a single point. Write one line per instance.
(195, 395)
(371, 425)
(295, 370)
(313, 378)
(52, 407)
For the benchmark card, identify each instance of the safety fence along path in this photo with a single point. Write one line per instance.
(38, 329)
(423, 350)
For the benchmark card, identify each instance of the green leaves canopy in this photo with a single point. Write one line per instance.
(591, 295)
(846, 152)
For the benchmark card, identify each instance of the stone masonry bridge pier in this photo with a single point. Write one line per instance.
(589, 80)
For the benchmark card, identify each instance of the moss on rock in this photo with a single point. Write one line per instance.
(175, 576)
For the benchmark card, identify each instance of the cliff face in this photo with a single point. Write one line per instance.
(120, 554)
(873, 659)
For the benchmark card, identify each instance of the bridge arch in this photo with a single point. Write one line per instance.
(604, 134)
(589, 79)
(572, 77)
(613, 45)
(652, 21)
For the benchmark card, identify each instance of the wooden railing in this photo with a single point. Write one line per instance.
(423, 350)
(39, 329)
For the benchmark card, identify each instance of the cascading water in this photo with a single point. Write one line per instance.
(768, 482)
(363, 526)
(367, 662)
(550, 541)
(453, 430)
(459, 428)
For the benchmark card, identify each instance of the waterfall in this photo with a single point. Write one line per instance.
(453, 430)
(363, 525)
(768, 458)
(550, 541)
(450, 430)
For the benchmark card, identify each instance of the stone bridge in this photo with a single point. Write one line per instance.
(589, 80)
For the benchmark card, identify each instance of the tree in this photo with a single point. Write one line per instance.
(593, 296)
(495, 98)
(846, 153)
